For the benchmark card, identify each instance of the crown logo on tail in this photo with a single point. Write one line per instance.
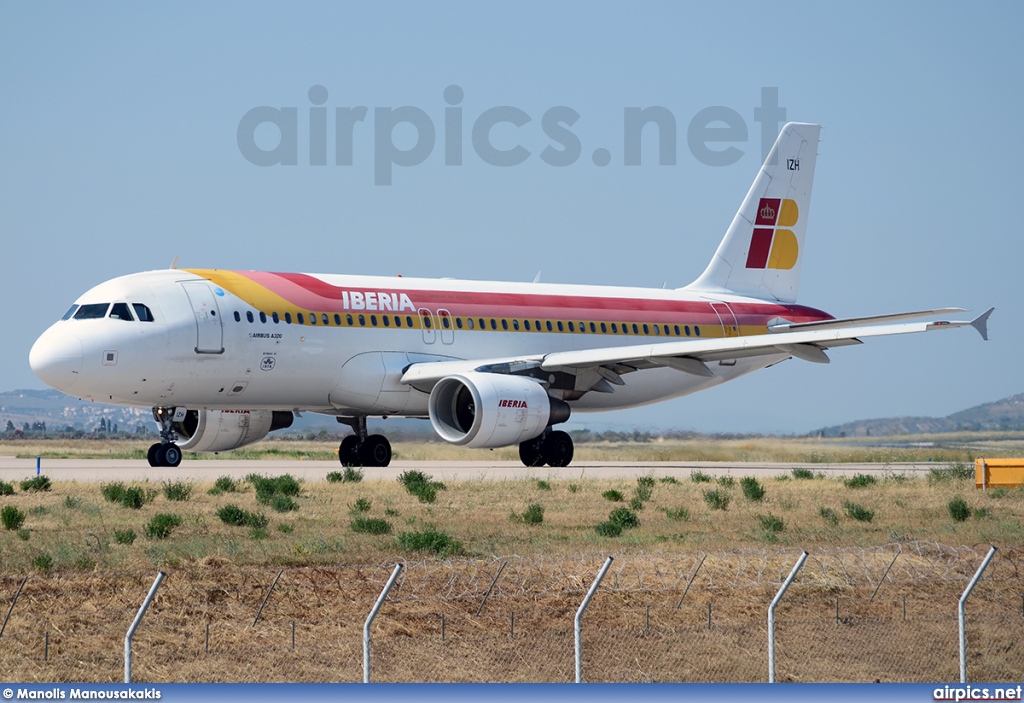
(768, 212)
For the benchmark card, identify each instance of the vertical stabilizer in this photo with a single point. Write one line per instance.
(761, 252)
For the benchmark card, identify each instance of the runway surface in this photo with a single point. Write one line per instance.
(14, 469)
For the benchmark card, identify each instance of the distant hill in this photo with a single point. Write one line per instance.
(1005, 414)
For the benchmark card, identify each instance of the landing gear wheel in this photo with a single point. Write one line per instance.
(171, 455)
(151, 454)
(375, 451)
(348, 451)
(530, 453)
(557, 449)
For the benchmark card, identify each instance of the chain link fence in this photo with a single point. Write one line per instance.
(887, 614)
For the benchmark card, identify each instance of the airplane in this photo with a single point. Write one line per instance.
(225, 357)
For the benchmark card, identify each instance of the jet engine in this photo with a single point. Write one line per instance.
(221, 430)
(492, 410)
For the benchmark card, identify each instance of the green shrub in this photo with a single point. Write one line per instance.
(24, 534)
(608, 529)
(226, 484)
(429, 540)
(981, 513)
(726, 481)
(269, 489)
(11, 517)
(859, 481)
(671, 480)
(177, 490)
(421, 485)
(233, 515)
(135, 497)
(955, 471)
(112, 492)
(72, 503)
(258, 533)
(802, 474)
(958, 509)
(362, 505)
(700, 477)
(43, 562)
(613, 495)
(162, 525)
(6, 489)
(999, 492)
(635, 503)
(624, 518)
(678, 514)
(829, 516)
(573, 488)
(36, 484)
(39, 510)
(285, 528)
(391, 512)
(771, 523)
(350, 475)
(124, 536)
(858, 512)
(543, 486)
(533, 515)
(716, 499)
(371, 526)
(752, 489)
(644, 489)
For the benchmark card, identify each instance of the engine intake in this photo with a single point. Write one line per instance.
(223, 430)
(482, 410)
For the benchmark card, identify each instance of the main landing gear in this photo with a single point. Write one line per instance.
(553, 448)
(361, 449)
(165, 452)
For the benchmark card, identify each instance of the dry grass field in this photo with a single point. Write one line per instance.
(89, 561)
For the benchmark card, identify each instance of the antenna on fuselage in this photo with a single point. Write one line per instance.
(174, 264)
(536, 279)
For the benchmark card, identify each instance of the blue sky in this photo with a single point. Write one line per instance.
(119, 135)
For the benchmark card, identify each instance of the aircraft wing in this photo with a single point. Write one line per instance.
(806, 341)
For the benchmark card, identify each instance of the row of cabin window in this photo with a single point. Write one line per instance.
(481, 323)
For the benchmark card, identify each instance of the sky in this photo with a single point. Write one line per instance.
(125, 142)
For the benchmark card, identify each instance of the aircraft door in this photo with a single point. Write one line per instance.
(209, 330)
(427, 323)
(447, 326)
(730, 327)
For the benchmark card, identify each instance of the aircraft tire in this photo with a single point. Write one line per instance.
(375, 451)
(348, 451)
(151, 455)
(170, 455)
(530, 452)
(557, 449)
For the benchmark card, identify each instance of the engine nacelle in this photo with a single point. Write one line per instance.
(492, 410)
(222, 430)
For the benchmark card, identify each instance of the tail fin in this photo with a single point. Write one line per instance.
(760, 254)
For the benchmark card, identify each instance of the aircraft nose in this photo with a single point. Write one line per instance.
(56, 358)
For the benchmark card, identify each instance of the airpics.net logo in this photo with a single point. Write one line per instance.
(269, 136)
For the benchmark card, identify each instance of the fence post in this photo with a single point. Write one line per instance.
(13, 603)
(579, 614)
(963, 617)
(369, 621)
(135, 624)
(771, 615)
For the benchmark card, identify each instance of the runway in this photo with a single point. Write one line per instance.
(208, 470)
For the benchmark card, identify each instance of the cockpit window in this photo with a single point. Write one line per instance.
(120, 311)
(142, 312)
(92, 312)
(70, 312)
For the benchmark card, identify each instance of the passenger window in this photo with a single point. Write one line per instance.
(362, 321)
(248, 315)
(526, 325)
(636, 330)
(657, 330)
(696, 330)
(504, 324)
(687, 330)
(494, 324)
(458, 322)
(408, 321)
(593, 328)
(572, 328)
(615, 328)
(238, 318)
(263, 317)
(604, 328)
(70, 313)
(549, 326)
(386, 320)
(92, 312)
(469, 321)
(324, 319)
(275, 318)
(676, 329)
(301, 319)
(120, 312)
(373, 320)
(348, 320)
(646, 330)
(515, 325)
(288, 318)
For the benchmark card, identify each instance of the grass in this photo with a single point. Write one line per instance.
(349, 475)
(533, 515)
(6, 489)
(178, 491)
(752, 489)
(475, 514)
(717, 499)
(613, 495)
(429, 540)
(370, 526)
(12, 518)
(858, 512)
(803, 474)
(860, 481)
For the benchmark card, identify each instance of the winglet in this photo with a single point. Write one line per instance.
(980, 323)
(174, 264)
